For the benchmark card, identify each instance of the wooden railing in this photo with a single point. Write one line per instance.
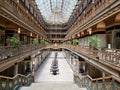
(12, 83)
(102, 83)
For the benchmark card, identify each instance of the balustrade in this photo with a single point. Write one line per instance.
(106, 83)
(111, 56)
(87, 17)
(20, 11)
(12, 83)
(9, 51)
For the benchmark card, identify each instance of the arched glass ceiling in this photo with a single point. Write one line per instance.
(56, 11)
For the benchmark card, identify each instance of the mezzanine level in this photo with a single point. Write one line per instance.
(107, 62)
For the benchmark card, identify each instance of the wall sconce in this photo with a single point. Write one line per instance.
(82, 33)
(36, 36)
(90, 32)
(33, 62)
(17, 1)
(55, 44)
(78, 35)
(19, 30)
(31, 34)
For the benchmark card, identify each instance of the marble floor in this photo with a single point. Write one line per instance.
(44, 80)
(65, 72)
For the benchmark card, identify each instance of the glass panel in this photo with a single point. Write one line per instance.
(56, 11)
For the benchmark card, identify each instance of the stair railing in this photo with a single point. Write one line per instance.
(13, 83)
(102, 83)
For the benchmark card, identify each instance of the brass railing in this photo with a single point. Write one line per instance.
(102, 83)
(13, 83)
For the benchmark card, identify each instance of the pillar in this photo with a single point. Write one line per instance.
(102, 40)
(15, 69)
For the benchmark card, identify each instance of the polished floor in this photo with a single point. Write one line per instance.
(45, 80)
(65, 72)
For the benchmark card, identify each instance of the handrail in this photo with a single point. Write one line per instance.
(97, 79)
(13, 83)
(9, 51)
(7, 77)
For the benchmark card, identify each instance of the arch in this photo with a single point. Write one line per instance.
(117, 18)
(101, 25)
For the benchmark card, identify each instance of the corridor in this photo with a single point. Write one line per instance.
(45, 80)
(65, 72)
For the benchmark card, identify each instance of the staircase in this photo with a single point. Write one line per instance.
(51, 85)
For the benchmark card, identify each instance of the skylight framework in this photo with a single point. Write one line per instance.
(56, 11)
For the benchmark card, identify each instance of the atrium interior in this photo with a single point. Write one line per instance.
(60, 44)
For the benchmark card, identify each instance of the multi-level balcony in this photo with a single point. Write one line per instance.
(95, 12)
(107, 60)
(17, 13)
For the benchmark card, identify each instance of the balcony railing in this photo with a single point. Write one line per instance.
(17, 12)
(97, 9)
(9, 51)
(111, 56)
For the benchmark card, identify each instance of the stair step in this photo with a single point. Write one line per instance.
(52, 86)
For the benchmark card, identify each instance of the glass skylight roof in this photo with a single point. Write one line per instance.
(56, 11)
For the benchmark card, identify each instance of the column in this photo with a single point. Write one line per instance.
(15, 69)
(103, 83)
(102, 43)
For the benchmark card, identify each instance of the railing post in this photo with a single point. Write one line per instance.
(103, 81)
(112, 87)
(0, 83)
(103, 85)
(91, 86)
(7, 84)
(96, 85)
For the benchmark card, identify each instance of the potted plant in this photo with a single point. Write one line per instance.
(75, 41)
(93, 42)
(14, 41)
(35, 41)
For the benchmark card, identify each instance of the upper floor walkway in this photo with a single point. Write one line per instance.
(107, 60)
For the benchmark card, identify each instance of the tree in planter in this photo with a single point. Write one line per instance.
(35, 41)
(75, 41)
(14, 41)
(93, 42)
